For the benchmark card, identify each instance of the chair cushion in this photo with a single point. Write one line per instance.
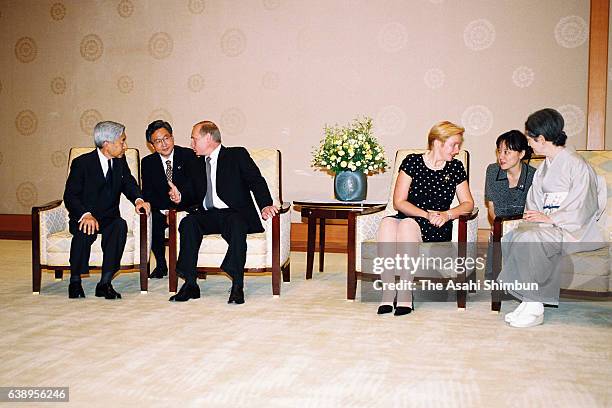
(215, 244)
(60, 243)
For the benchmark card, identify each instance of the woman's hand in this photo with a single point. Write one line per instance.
(536, 216)
(437, 218)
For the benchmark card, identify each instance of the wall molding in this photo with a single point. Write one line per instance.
(16, 226)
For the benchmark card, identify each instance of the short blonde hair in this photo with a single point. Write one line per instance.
(442, 131)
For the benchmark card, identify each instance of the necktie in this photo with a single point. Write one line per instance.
(208, 201)
(109, 172)
(169, 170)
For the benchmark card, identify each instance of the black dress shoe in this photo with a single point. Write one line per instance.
(107, 291)
(384, 309)
(187, 291)
(75, 290)
(236, 295)
(158, 273)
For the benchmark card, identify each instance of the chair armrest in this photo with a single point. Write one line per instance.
(142, 232)
(49, 219)
(46, 219)
(372, 210)
(498, 225)
(45, 207)
(285, 207)
(278, 237)
(470, 216)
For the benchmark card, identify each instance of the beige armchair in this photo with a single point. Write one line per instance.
(583, 273)
(362, 228)
(51, 238)
(267, 252)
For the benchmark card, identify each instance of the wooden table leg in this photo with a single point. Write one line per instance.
(321, 244)
(312, 230)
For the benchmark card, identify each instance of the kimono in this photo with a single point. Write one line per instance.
(565, 189)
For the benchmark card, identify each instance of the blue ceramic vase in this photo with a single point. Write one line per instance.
(350, 186)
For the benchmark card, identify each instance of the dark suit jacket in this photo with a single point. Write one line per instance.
(86, 188)
(154, 183)
(237, 176)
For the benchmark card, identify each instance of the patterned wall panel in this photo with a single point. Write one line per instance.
(272, 73)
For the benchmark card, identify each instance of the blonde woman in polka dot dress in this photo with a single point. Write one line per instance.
(424, 190)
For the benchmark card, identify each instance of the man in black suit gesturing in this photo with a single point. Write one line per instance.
(222, 180)
(167, 164)
(92, 193)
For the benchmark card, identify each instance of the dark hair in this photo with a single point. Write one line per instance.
(515, 140)
(153, 126)
(548, 123)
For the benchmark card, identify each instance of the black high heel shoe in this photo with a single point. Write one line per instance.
(404, 310)
(384, 309)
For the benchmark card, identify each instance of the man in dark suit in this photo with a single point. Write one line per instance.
(222, 180)
(92, 193)
(167, 164)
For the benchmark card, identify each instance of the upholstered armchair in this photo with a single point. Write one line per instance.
(268, 252)
(586, 273)
(362, 228)
(51, 238)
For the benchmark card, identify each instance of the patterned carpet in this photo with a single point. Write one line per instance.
(307, 348)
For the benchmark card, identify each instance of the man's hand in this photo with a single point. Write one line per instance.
(89, 225)
(536, 216)
(174, 193)
(269, 211)
(143, 204)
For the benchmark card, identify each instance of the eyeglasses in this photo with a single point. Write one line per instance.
(163, 140)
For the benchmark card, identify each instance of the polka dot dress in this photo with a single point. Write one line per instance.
(432, 190)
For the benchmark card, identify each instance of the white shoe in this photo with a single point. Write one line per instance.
(527, 320)
(512, 315)
(531, 315)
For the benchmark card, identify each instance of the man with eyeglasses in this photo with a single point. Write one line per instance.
(167, 164)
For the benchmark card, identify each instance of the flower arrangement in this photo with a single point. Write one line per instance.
(351, 147)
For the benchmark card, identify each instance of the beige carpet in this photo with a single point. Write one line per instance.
(308, 348)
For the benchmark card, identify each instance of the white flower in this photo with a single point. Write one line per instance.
(358, 164)
(343, 164)
(340, 152)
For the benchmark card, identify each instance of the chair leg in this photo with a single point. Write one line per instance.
(461, 294)
(286, 272)
(472, 281)
(36, 278)
(276, 276)
(144, 256)
(461, 297)
(59, 274)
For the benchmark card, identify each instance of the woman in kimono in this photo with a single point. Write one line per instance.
(560, 218)
(424, 190)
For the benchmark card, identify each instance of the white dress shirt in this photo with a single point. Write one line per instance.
(165, 159)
